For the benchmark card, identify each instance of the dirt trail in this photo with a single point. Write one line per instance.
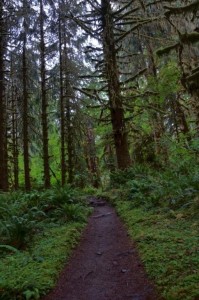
(105, 266)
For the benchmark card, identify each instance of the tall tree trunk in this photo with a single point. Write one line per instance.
(68, 95)
(92, 157)
(115, 98)
(14, 126)
(25, 118)
(3, 131)
(15, 149)
(44, 101)
(62, 114)
(69, 141)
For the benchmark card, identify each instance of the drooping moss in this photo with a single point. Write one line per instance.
(192, 7)
(167, 49)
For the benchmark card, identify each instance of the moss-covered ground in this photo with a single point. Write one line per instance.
(168, 244)
(31, 273)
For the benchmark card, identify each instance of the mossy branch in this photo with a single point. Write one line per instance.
(186, 38)
(167, 49)
(141, 72)
(192, 7)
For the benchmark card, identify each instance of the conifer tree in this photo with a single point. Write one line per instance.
(44, 98)
(3, 131)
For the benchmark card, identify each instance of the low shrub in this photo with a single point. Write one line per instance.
(151, 188)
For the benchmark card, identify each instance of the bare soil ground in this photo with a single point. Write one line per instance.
(105, 265)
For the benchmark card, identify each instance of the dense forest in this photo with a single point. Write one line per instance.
(100, 97)
(92, 87)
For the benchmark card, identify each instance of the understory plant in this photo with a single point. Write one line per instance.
(160, 207)
(168, 246)
(37, 232)
(174, 187)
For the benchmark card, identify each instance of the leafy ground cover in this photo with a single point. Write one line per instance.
(168, 245)
(29, 274)
(161, 214)
(38, 231)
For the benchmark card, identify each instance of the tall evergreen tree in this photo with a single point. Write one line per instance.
(25, 101)
(3, 131)
(44, 98)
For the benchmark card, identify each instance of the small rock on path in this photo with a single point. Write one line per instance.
(105, 265)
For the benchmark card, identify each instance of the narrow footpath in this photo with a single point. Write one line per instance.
(105, 265)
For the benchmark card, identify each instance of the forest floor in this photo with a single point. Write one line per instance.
(105, 265)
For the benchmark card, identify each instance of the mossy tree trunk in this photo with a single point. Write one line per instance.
(62, 104)
(26, 157)
(45, 140)
(14, 127)
(114, 90)
(3, 131)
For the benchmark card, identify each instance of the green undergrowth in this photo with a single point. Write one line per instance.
(160, 208)
(38, 231)
(31, 273)
(168, 246)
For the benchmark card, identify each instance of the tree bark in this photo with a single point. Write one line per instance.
(3, 131)
(92, 160)
(114, 91)
(25, 117)
(14, 126)
(68, 95)
(62, 114)
(44, 101)
(69, 142)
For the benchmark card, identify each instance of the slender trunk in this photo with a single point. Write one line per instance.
(116, 107)
(44, 101)
(69, 141)
(62, 114)
(15, 151)
(68, 125)
(182, 118)
(195, 105)
(14, 144)
(25, 119)
(16, 155)
(92, 157)
(151, 60)
(3, 133)
(109, 157)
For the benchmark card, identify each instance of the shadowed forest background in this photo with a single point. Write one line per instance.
(99, 95)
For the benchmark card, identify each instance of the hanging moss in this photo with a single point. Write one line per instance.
(182, 9)
(166, 50)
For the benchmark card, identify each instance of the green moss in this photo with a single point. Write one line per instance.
(167, 49)
(29, 274)
(168, 245)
